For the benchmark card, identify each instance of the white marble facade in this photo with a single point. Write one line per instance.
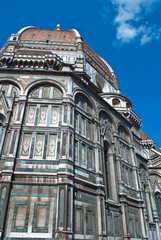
(74, 163)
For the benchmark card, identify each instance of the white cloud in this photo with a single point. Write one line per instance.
(149, 33)
(126, 32)
(130, 15)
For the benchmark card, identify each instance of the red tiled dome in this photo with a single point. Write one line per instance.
(45, 34)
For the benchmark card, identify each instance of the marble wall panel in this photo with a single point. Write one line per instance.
(52, 145)
(43, 115)
(39, 144)
(26, 144)
(30, 217)
(31, 114)
(54, 116)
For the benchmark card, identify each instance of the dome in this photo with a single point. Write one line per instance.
(44, 42)
(53, 35)
(108, 65)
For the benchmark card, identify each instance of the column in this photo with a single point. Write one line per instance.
(6, 185)
(149, 209)
(64, 219)
(154, 209)
(142, 219)
(8, 170)
(111, 172)
(124, 215)
(135, 167)
(118, 159)
(101, 217)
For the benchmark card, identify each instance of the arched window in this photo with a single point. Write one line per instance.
(123, 133)
(105, 123)
(157, 197)
(143, 176)
(46, 92)
(146, 191)
(124, 144)
(156, 184)
(9, 89)
(83, 119)
(125, 152)
(46, 113)
(84, 103)
(155, 179)
(83, 124)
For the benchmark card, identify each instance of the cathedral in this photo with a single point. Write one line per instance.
(74, 163)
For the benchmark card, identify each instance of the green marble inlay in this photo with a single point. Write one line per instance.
(65, 113)
(40, 220)
(58, 146)
(64, 145)
(13, 142)
(61, 211)
(2, 200)
(70, 146)
(32, 146)
(60, 116)
(45, 146)
(37, 114)
(19, 112)
(90, 224)
(19, 224)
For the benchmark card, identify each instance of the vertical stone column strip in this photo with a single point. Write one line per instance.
(104, 165)
(18, 129)
(158, 231)
(151, 195)
(154, 209)
(144, 232)
(142, 211)
(64, 218)
(135, 168)
(60, 221)
(101, 217)
(149, 209)
(6, 183)
(117, 157)
(104, 172)
(96, 137)
(70, 210)
(5, 127)
(3, 137)
(124, 221)
(6, 179)
(112, 176)
(8, 172)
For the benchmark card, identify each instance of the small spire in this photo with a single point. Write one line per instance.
(58, 27)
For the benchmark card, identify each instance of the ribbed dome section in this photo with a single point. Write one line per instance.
(38, 34)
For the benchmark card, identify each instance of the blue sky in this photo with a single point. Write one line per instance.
(126, 33)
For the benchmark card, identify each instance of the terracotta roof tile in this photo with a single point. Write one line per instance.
(143, 136)
(87, 47)
(51, 35)
(57, 36)
(37, 34)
